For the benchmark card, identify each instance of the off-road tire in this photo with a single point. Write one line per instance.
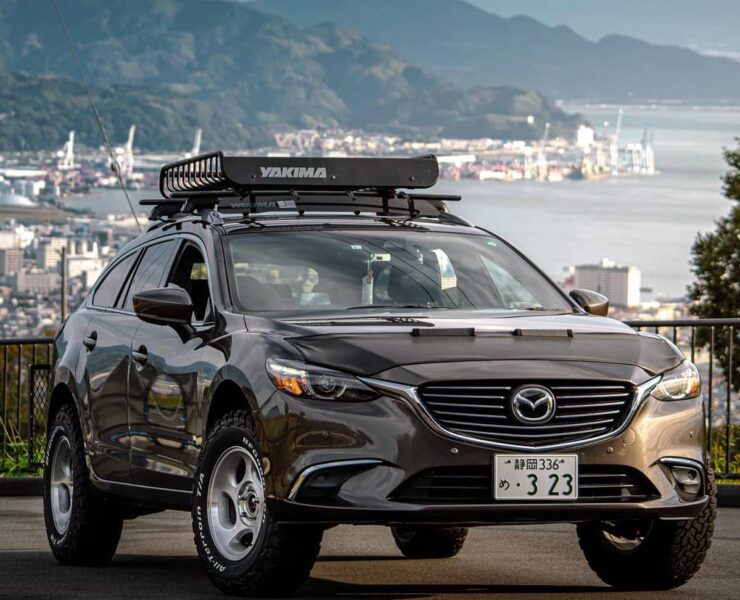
(95, 524)
(670, 555)
(429, 542)
(282, 557)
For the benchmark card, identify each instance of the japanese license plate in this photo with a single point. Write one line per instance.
(535, 477)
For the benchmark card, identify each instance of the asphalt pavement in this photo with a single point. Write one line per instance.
(156, 560)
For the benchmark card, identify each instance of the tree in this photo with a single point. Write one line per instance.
(716, 267)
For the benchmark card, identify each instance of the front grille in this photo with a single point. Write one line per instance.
(481, 410)
(474, 485)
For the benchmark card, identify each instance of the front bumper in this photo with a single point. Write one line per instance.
(386, 443)
(473, 515)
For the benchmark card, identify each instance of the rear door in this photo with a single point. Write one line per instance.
(164, 390)
(107, 349)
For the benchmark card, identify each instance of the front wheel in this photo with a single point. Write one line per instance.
(245, 552)
(429, 542)
(649, 554)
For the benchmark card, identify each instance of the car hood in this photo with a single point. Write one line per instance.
(371, 345)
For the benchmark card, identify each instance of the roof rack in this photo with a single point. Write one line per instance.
(250, 185)
(235, 175)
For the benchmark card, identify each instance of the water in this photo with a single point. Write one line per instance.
(649, 222)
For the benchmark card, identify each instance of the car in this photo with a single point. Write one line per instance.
(298, 343)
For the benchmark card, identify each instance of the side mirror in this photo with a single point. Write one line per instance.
(164, 306)
(592, 302)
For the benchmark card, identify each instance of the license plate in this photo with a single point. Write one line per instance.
(535, 477)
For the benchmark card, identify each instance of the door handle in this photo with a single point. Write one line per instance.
(140, 356)
(90, 341)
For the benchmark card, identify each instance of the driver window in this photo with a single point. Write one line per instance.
(190, 274)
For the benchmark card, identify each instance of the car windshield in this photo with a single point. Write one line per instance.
(361, 269)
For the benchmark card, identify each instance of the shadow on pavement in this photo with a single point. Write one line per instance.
(37, 575)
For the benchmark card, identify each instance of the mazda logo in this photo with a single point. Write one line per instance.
(532, 404)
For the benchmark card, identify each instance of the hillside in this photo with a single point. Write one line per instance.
(471, 47)
(227, 63)
(39, 112)
(713, 24)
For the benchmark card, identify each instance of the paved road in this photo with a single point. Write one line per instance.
(156, 559)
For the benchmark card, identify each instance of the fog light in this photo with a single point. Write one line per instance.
(688, 478)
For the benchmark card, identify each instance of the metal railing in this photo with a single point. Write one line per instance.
(699, 340)
(26, 370)
(25, 364)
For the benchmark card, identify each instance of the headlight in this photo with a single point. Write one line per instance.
(681, 383)
(308, 381)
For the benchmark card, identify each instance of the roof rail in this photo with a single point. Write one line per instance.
(238, 175)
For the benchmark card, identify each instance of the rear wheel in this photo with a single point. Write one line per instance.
(649, 554)
(429, 541)
(81, 526)
(244, 551)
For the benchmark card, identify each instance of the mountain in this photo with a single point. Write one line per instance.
(472, 47)
(38, 112)
(232, 64)
(709, 27)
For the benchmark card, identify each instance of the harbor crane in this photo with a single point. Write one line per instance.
(124, 156)
(542, 156)
(648, 154)
(195, 150)
(66, 156)
(614, 142)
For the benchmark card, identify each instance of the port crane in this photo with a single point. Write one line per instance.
(66, 155)
(195, 150)
(542, 156)
(123, 164)
(614, 142)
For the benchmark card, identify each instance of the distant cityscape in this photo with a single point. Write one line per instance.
(40, 235)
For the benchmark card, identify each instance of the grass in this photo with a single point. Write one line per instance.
(14, 461)
(719, 452)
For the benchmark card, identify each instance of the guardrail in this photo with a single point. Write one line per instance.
(26, 369)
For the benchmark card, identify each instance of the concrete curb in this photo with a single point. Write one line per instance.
(21, 486)
(728, 495)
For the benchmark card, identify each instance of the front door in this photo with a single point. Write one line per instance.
(164, 383)
(107, 354)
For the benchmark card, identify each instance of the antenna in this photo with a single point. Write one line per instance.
(94, 107)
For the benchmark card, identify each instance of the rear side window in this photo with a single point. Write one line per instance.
(108, 290)
(151, 270)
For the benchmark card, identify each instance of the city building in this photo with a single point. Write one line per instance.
(37, 282)
(621, 284)
(50, 252)
(11, 260)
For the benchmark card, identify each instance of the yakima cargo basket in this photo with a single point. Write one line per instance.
(237, 175)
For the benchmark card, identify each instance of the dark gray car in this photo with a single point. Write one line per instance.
(295, 344)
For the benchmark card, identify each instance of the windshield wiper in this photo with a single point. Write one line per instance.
(544, 309)
(424, 306)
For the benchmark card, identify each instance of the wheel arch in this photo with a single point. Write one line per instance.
(61, 395)
(230, 392)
